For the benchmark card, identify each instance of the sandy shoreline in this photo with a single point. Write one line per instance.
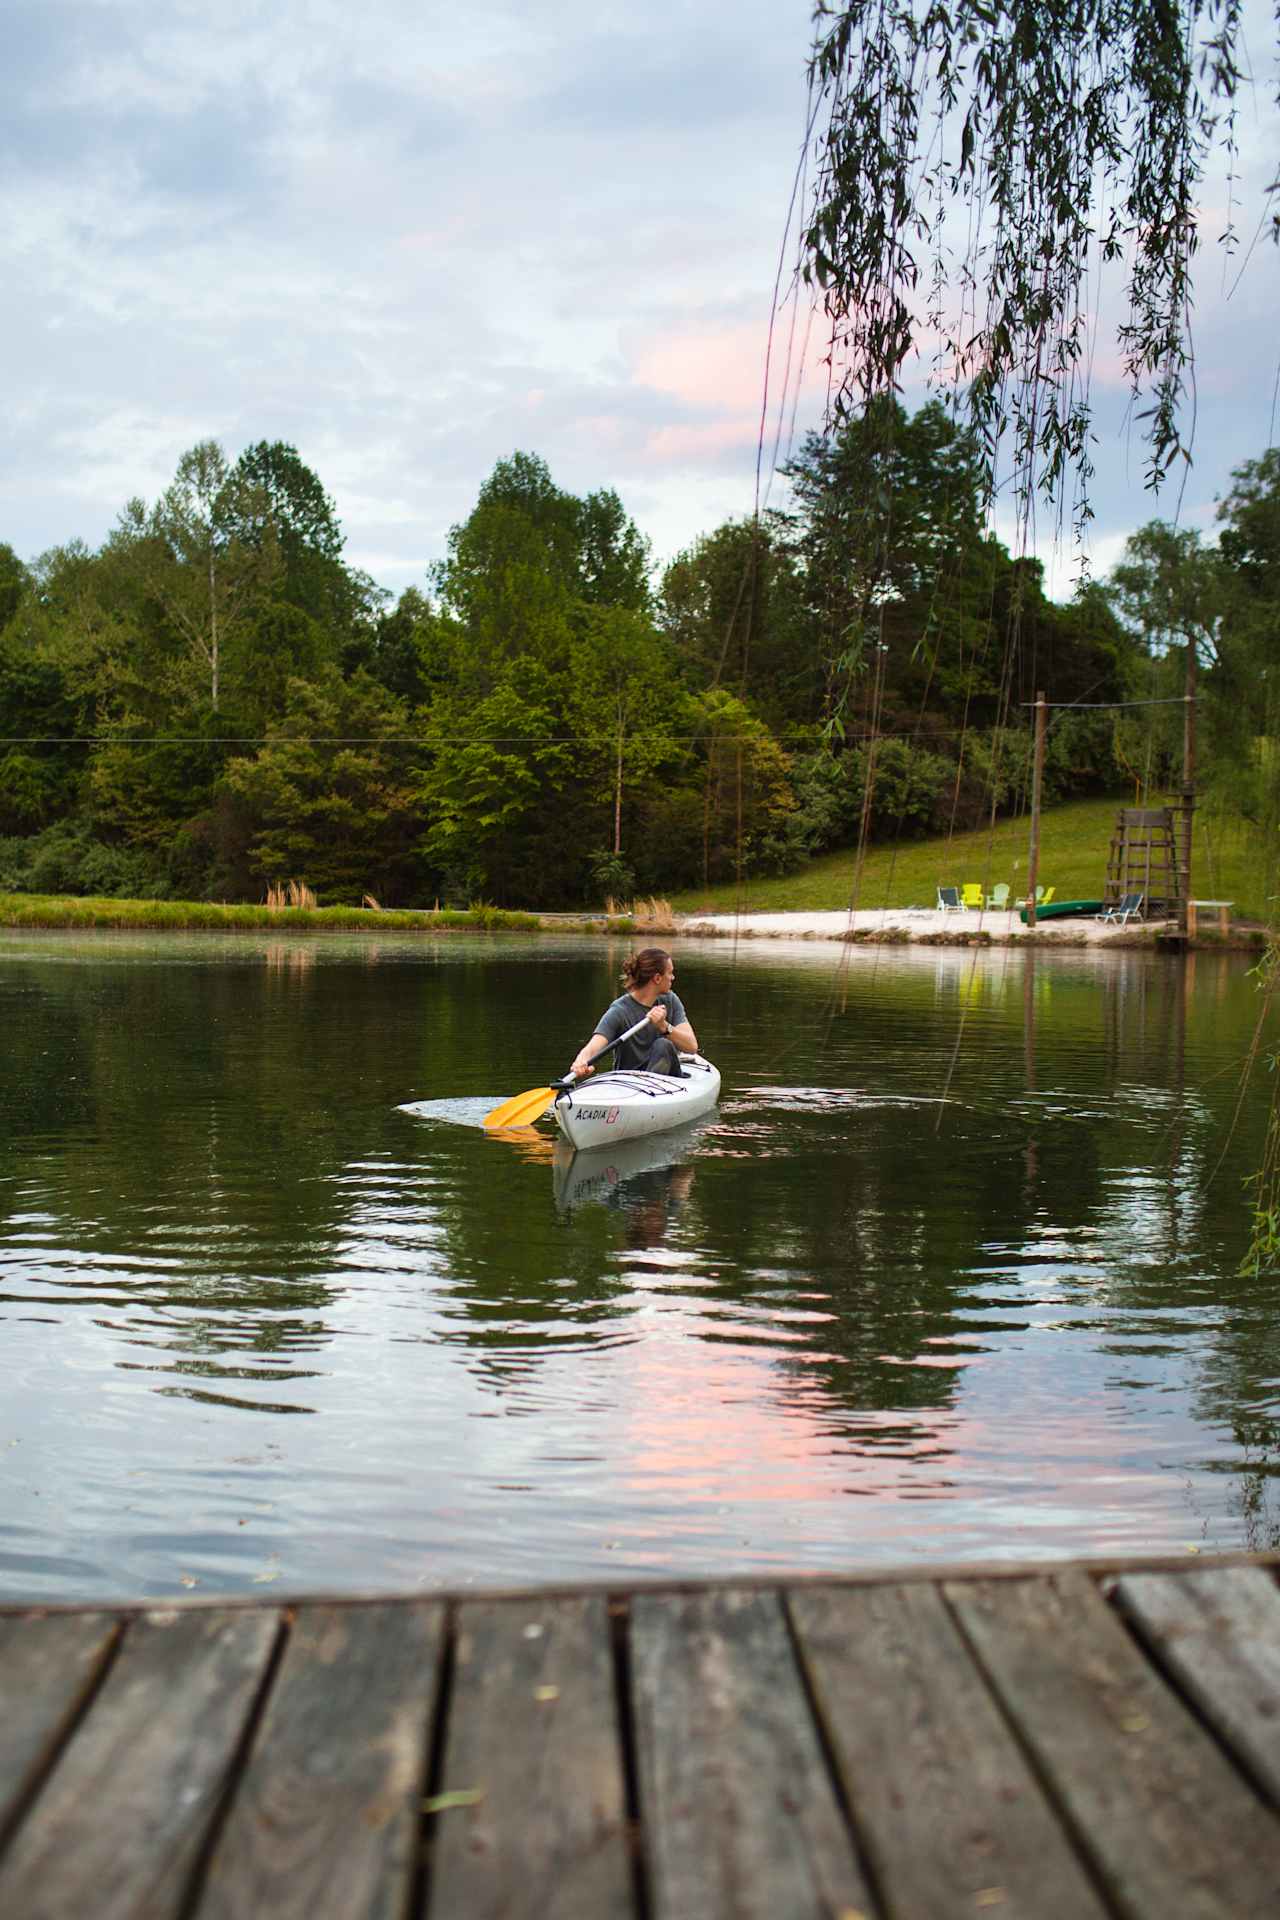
(928, 925)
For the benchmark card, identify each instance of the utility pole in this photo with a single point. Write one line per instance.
(1188, 783)
(1037, 781)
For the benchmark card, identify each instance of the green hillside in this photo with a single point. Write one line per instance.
(1230, 861)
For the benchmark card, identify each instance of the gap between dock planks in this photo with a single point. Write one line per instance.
(1049, 1742)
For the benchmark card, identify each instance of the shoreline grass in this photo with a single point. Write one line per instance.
(180, 916)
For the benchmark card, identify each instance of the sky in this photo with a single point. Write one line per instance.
(410, 239)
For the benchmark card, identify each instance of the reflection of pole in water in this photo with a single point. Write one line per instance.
(1031, 1152)
(1180, 969)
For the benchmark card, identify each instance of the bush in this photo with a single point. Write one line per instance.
(65, 858)
(611, 877)
(909, 784)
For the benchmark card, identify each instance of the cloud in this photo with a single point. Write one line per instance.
(409, 239)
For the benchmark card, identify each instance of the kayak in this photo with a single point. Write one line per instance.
(1062, 909)
(628, 1105)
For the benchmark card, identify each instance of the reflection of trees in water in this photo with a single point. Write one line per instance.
(1175, 1233)
(288, 956)
(1234, 1391)
(40, 1101)
(1258, 1482)
(179, 1132)
(214, 1130)
(516, 1284)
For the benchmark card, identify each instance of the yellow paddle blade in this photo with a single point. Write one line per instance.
(522, 1109)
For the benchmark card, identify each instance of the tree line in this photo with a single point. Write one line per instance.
(215, 700)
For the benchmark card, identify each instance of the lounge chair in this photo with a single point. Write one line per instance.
(998, 898)
(971, 896)
(949, 899)
(1127, 907)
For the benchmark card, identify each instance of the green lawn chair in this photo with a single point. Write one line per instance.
(998, 898)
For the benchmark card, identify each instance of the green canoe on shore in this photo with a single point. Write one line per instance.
(1060, 909)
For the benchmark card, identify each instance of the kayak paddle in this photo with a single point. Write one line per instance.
(522, 1109)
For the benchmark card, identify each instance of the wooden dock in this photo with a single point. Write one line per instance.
(1052, 1743)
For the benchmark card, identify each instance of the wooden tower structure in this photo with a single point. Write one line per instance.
(1145, 859)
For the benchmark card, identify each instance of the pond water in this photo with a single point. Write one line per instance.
(952, 1273)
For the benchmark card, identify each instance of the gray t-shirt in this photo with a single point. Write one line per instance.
(624, 1013)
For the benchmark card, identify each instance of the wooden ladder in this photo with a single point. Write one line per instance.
(1144, 859)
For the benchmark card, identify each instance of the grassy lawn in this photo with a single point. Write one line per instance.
(1229, 862)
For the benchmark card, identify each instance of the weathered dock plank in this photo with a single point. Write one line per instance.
(326, 1817)
(741, 1817)
(1170, 1825)
(1084, 1742)
(533, 1734)
(950, 1813)
(118, 1826)
(47, 1669)
(1219, 1634)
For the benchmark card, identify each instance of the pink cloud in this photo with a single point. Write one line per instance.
(707, 367)
(712, 373)
(715, 436)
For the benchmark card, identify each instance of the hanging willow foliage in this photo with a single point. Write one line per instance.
(978, 165)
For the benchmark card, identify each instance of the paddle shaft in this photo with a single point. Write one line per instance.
(525, 1108)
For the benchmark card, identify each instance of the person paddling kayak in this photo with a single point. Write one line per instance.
(647, 977)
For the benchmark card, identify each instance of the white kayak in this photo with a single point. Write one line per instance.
(628, 1105)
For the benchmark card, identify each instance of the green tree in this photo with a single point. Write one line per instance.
(1245, 686)
(732, 609)
(39, 774)
(1167, 590)
(497, 794)
(144, 785)
(275, 496)
(613, 555)
(330, 798)
(617, 702)
(409, 649)
(92, 655)
(1250, 549)
(14, 582)
(526, 564)
(271, 644)
(884, 504)
(194, 555)
(511, 576)
(912, 606)
(723, 806)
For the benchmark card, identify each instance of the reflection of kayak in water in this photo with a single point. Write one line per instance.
(600, 1175)
(609, 1107)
